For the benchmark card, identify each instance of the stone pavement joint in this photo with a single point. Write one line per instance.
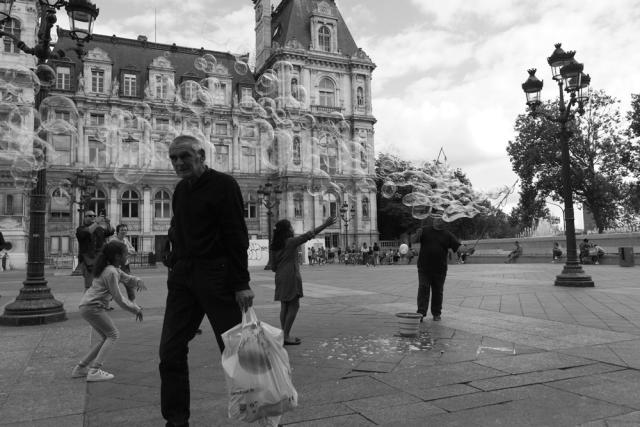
(510, 343)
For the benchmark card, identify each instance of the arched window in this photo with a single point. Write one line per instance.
(297, 158)
(130, 204)
(327, 92)
(324, 39)
(98, 202)
(298, 205)
(162, 205)
(365, 207)
(250, 206)
(360, 97)
(11, 26)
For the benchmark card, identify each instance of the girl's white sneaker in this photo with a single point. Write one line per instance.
(98, 375)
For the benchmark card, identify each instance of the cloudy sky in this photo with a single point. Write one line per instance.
(448, 72)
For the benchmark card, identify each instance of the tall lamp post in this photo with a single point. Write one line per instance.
(84, 182)
(568, 73)
(35, 303)
(269, 199)
(347, 215)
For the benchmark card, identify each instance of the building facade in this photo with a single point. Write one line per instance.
(17, 97)
(309, 131)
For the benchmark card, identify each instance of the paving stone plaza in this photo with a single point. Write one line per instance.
(511, 350)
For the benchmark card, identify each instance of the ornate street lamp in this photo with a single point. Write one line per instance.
(266, 193)
(85, 182)
(347, 215)
(5, 9)
(35, 303)
(568, 73)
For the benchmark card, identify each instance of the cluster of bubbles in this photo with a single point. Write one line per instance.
(433, 189)
(334, 158)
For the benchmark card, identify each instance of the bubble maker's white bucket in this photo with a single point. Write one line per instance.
(409, 323)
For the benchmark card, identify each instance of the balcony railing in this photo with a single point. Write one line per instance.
(325, 109)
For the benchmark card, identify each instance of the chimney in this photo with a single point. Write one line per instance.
(142, 38)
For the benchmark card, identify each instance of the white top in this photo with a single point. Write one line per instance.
(105, 287)
(127, 243)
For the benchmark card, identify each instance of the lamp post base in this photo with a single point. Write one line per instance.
(574, 276)
(34, 305)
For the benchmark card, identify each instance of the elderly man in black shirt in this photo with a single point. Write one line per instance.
(435, 243)
(208, 268)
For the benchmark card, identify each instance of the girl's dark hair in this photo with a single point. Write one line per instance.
(108, 256)
(281, 233)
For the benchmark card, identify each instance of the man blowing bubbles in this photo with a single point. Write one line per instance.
(208, 267)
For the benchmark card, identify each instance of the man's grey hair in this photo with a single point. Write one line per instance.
(195, 144)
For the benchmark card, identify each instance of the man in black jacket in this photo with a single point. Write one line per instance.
(208, 268)
(435, 243)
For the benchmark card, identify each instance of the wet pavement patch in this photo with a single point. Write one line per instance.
(378, 349)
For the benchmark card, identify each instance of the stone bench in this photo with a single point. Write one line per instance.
(496, 256)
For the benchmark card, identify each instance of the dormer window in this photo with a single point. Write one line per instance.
(190, 90)
(162, 86)
(97, 80)
(324, 39)
(63, 78)
(11, 26)
(129, 84)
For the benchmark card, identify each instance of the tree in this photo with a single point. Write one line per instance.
(634, 115)
(601, 153)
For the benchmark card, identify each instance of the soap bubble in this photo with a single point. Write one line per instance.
(46, 75)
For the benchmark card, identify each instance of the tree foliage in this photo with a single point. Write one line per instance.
(601, 153)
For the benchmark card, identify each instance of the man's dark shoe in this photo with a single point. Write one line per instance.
(421, 314)
(437, 318)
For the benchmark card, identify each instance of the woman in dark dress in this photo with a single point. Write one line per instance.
(288, 280)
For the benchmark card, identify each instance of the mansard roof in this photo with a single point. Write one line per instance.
(294, 19)
(139, 54)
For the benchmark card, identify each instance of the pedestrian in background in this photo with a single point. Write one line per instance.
(288, 279)
(208, 268)
(376, 254)
(556, 251)
(121, 236)
(94, 304)
(515, 253)
(91, 235)
(435, 243)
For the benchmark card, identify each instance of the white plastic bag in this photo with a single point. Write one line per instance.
(257, 372)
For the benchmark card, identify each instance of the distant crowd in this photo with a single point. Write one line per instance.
(368, 255)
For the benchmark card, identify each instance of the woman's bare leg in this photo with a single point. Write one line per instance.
(290, 316)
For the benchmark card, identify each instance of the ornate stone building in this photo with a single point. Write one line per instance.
(330, 77)
(130, 97)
